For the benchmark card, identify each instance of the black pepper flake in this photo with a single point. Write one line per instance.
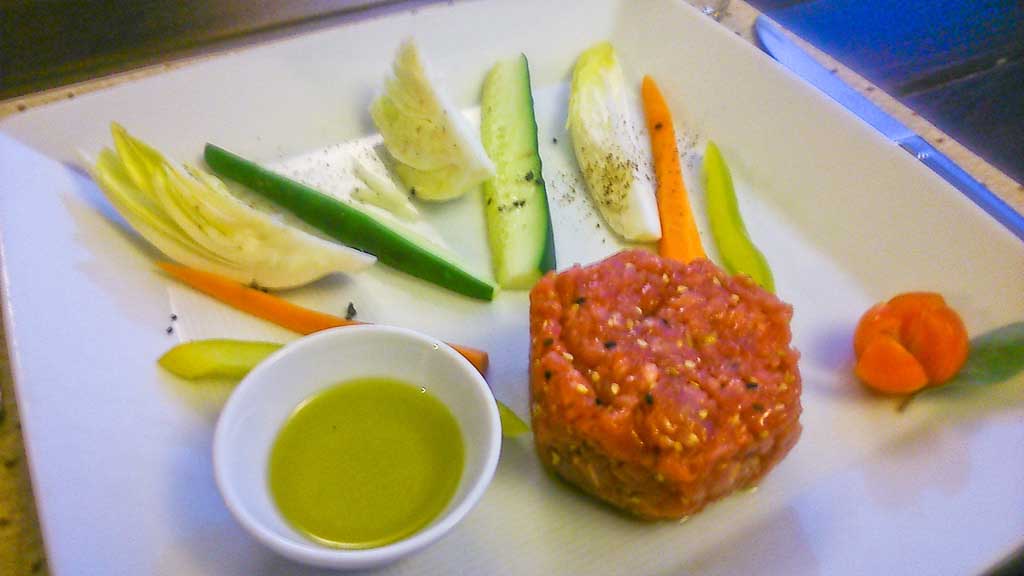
(170, 329)
(529, 176)
(750, 385)
(174, 317)
(758, 407)
(610, 345)
(10, 462)
(658, 126)
(548, 342)
(350, 312)
(598, 401)
(663, 321)
(547, 374)
(554, 140)
(649, 398)
(581, 301)
(412, 192)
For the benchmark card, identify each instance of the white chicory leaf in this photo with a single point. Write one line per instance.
(607, 146)
(380, 189)
(195, 220)
(438, 155)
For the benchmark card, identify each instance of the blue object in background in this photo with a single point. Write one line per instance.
(958, 63)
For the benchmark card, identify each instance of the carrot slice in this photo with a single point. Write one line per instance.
(279, 311)
(679, 237)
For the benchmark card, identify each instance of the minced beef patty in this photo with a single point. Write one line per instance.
(659, 386)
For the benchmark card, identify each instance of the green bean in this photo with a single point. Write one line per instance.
(347, 225)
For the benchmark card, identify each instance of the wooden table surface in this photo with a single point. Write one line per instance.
(21, 545)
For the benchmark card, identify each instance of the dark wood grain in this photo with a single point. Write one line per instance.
(47, 43)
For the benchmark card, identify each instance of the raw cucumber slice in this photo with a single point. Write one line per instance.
(515, 199)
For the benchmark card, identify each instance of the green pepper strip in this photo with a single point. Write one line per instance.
(347, 225)
(233, 359)
(738, 253)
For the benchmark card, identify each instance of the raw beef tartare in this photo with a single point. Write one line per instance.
(659, 386)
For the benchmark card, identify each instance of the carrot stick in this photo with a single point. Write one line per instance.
(679, 237)
(279, 311)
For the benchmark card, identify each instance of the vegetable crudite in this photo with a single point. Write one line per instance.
(607, 146)
(437, 154)
(278, 310)
(515, 199)
(738, 252)
(195, 220)
(216, 358)
(219, 358)
(349, 225)
(679, 236)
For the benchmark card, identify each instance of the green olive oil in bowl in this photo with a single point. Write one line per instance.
(366, 463)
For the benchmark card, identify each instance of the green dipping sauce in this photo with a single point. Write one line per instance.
(366, 463)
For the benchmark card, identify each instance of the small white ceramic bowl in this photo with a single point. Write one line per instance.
(264, 400)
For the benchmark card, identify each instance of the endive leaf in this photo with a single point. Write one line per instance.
(194, 219)
(436, 152)
(608, 148)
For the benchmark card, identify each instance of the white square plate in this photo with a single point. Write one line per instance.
(120, 452)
